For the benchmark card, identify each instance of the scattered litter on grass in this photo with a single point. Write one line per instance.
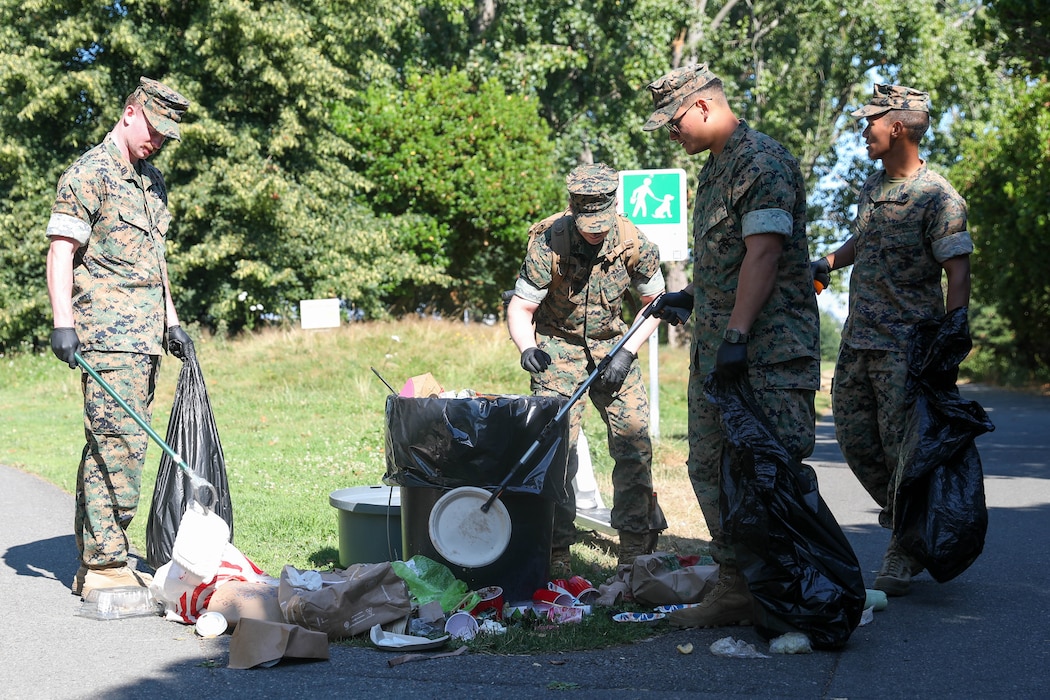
(638, 617)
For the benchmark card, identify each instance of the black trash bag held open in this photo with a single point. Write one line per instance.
(448, 443)
(939, 512)
(193, 436)
(798, 564)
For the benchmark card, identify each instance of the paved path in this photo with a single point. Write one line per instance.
(983, 635)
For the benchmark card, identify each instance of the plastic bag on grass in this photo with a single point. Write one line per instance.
(193, 436)
(345, 602)
(429, 580)
(798, 564)
(939, 513)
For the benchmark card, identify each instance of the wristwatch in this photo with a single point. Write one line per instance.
(733, 335)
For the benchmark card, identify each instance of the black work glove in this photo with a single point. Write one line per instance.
(535, 360)
(616, 371)
(731, 359)
(673, 307)
(65, 344)
(821, 270)
(179, 344)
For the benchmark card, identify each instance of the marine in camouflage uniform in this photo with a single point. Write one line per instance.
(910, 225)
(752, 297)
(107, 280)
(578, 267)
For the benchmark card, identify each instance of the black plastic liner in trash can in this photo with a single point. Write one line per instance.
(434, 445)
(798, 564)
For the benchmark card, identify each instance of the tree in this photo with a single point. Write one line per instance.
(471, 158)
(260, 186)
(1005, 176)
(268, 198)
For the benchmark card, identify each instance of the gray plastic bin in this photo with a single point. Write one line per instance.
(369, 524)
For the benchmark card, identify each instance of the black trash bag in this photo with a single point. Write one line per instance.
(449, 443)
(193, 436)
(798, 564)
(939, 513)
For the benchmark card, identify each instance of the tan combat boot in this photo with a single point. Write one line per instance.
(113, 577)
(632, 545)
(897, 569)
(78, 581)
(729, 603)
(561, 563)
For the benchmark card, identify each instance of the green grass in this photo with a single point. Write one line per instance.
(301, 414)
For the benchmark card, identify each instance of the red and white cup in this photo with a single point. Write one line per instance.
(491, 599)
(561, 614)
(581, 589)
(547, 596)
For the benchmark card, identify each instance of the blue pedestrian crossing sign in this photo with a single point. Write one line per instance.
(655, 201)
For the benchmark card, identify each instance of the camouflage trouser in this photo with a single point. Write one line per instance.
(869, 400)
(626, 416)
(110, 473)
(791, 412)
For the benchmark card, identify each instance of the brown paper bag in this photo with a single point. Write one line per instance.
(256, 642)
(240, 599)
(657, 579)
(349, 602)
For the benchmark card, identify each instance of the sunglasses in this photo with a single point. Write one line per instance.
(673, 124)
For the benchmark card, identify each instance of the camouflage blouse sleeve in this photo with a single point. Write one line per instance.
(77, 201)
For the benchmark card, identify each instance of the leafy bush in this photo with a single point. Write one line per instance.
(472, 159)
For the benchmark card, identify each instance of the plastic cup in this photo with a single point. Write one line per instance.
(552, 597)
(560, 585)
(561, 614)
(491, 599)
(462, 625)
(581, 589)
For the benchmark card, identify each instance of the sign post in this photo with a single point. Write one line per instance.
(655, 200)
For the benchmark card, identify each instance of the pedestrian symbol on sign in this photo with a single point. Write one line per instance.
(653, 198)
(655, 201)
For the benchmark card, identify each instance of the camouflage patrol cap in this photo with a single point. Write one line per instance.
(887, 97)
(592, 196)
(163, 106)
(669, 92)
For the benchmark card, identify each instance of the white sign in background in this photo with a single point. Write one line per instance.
(655, 200)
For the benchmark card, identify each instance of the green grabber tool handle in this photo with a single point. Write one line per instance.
(196, 481)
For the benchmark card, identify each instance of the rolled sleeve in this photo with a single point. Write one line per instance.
(529, 292)
(766, 221)
(952, 246)
(66, 226)
(653, 286)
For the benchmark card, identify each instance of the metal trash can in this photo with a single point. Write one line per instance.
(523, 566)
(435, 445)
(369, 524)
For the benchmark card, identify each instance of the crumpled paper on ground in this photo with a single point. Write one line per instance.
(307, 580)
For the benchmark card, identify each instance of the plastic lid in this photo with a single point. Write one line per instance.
(211, 624)
(367, 499)
(464, 534)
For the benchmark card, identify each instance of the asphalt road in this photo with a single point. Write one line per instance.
(984, 634)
